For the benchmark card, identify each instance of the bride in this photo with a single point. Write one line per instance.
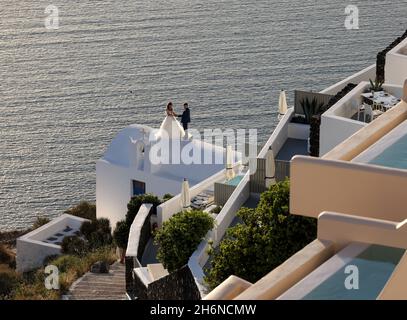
(171, 124)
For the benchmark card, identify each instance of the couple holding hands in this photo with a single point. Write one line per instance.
(170, 122)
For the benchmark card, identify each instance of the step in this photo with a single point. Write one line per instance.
(93, 286)
(98, 292)
(157, 271)
(111, 297)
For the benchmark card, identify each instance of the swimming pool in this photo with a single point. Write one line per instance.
(375, 265)
(389, 151)
(395, 156)
(235, 181)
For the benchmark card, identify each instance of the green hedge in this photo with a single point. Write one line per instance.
(267, 237)
(122, 230)
(180, 236)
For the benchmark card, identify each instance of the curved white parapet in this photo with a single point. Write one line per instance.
(135, 230)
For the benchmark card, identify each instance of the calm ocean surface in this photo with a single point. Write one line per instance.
(66, 93)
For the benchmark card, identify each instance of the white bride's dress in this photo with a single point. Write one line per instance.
(172, 127)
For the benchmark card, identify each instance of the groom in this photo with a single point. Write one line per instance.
(185, 117)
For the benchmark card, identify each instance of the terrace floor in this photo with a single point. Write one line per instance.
(100, 286)
(291, 148)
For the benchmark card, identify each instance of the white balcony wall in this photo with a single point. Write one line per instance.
(336, 123)
(363, 75)
(279, 135)
(396, 64)
(346, 187)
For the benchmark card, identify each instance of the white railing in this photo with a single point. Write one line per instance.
(231, 207)
(200, 256)
(279, 135)
(135, 230)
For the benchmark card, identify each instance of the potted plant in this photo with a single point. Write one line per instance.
(376, 85)
(311, 108)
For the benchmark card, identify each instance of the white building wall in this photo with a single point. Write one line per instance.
(298, 131)
(114, 189)
(335, 130)
(395, 71)
(336, 123)
(31, 248)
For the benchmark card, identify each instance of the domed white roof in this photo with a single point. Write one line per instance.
(118, 151)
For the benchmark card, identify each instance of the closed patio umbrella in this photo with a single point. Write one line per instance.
(185, 196)
(230, 174)
(282, 104)
(270, 169)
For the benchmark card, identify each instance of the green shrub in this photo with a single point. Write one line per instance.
(267, 237)
(84, 210)
(68, 262)
(135, 203)
(98, 233)
(8, 281)
(216, 210)
(35, 291)
(99, 239)
(121, 234)
(106, 254)
(30, 285)
(6, 256)
(103, 225)
(87, 228)
(74, 245)
(39, 222)
(180, 236)
(122, 230)
(167, 197)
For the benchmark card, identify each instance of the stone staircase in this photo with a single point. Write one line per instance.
(100, 286)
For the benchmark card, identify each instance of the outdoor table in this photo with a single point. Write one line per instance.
(382, 98)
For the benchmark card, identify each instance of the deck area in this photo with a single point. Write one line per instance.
(99, 286)
(291, 148)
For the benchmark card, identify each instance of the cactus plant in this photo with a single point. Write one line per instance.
(311, 108)
(377, 85)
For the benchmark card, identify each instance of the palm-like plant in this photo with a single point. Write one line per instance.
(376, 85)
(311, 108)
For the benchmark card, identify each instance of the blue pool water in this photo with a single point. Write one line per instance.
(375, 265)
(395, 156)
(235, 181)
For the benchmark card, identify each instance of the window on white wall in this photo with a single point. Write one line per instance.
(139, 187)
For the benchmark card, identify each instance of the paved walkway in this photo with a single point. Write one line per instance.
(99, 286)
